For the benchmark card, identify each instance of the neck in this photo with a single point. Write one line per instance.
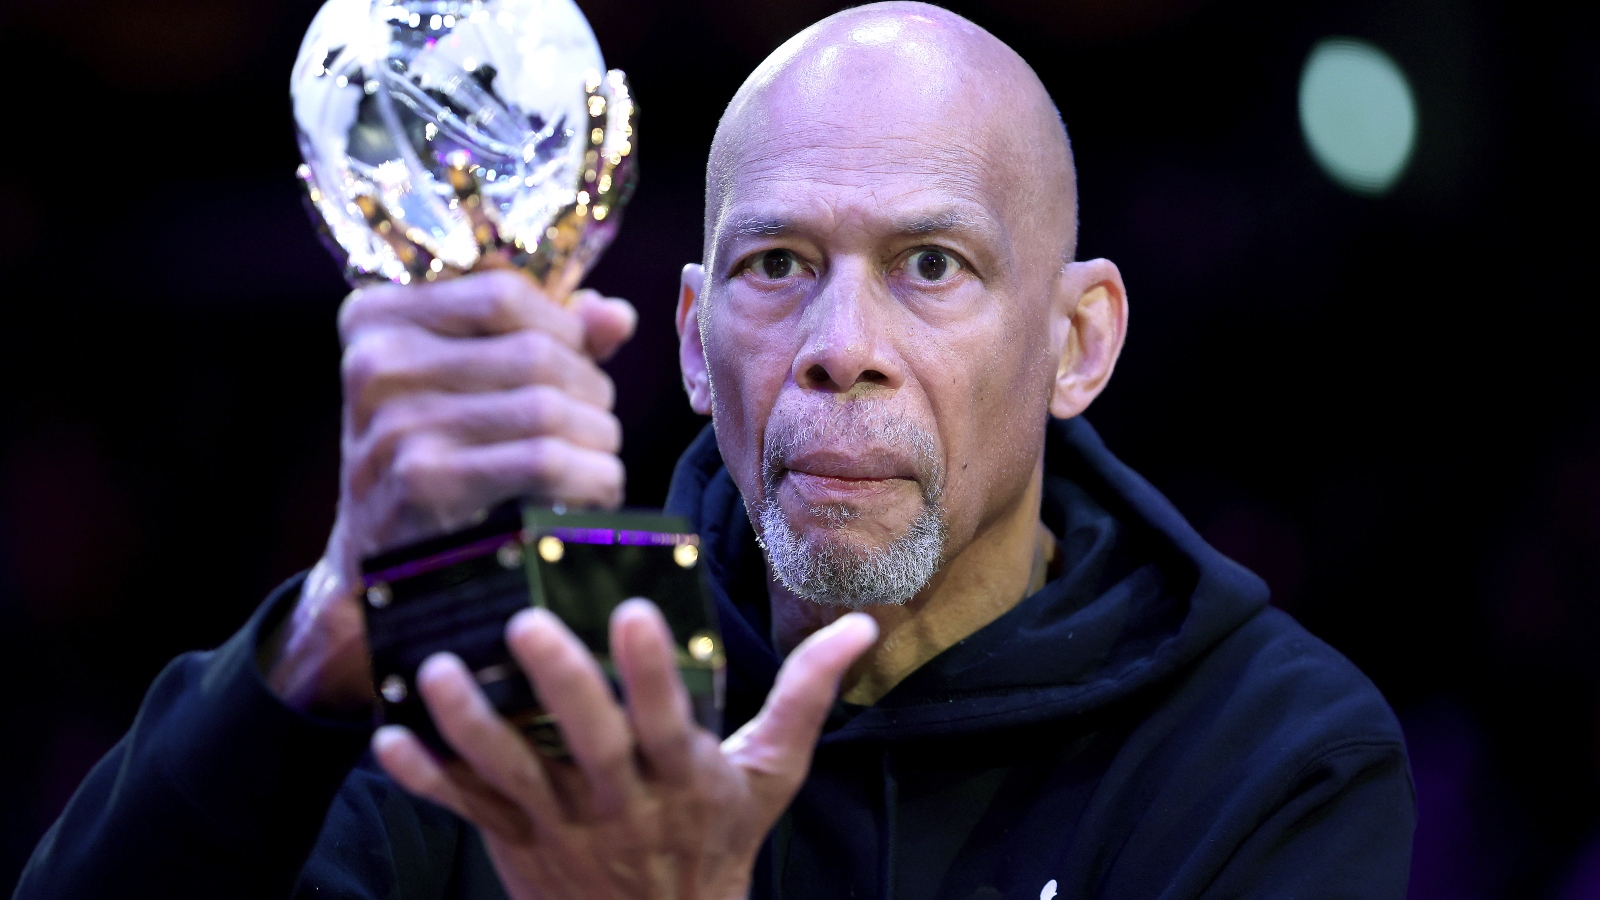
(990, 575)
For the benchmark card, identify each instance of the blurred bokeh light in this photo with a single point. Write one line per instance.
(1358, 114)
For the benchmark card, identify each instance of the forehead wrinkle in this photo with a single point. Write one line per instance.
(801, 131)
(940, 222)
(953, 201)
(904, 212)
(961, 168)
(878, 175)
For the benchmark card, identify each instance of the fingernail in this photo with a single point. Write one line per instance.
(437, 665)
(522, 621)
(640, 620)
(642, 605)
(530, 622)
(387, 736)
(859, 621)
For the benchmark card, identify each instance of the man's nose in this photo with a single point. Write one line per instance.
(847, 335)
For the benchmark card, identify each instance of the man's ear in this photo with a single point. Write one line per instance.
(1089, 322)
(691, 355)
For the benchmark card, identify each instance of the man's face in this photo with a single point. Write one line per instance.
(875, 321)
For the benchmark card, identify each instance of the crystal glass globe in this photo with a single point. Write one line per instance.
(438, 133)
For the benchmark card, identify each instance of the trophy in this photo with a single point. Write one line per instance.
(445, 136)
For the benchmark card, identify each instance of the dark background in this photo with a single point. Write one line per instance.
(1385, 406)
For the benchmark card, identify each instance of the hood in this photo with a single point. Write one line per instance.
(1139, 596)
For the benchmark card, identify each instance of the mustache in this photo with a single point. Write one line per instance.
(858, 423)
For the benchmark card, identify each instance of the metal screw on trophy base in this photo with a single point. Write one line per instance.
(702, 647)
(685, 555)
(394, 689)
(551, 549)
(509, 555)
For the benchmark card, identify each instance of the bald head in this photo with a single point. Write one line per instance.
(873, 79)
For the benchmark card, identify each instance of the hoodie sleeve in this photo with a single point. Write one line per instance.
(1343, 832)
(218, 789)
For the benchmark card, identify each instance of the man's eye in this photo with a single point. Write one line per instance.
(932, 266)
(775, 265)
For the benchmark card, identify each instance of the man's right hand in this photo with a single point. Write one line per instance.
(457, 395)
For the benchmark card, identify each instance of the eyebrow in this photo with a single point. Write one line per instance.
(759, 226)
(934, 224)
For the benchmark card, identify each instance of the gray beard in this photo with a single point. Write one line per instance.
(825, 570)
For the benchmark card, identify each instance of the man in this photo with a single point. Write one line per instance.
(1048, 685)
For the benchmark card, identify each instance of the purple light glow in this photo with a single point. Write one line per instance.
(653, 538)
(585, 535)
(417, 567)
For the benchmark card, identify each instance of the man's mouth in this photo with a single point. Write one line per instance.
(828, 478)
(847, 457)
(826, 491)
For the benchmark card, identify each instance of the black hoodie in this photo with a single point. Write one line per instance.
(1143, 727)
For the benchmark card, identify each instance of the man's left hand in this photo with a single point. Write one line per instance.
(651, 804)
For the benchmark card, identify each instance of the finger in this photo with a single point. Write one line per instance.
(392, 362)
(489, 746)
(608, 322)
(452, 481)
(779, 740)
(486, 303)
(479, 419)
(410, 764)
(571, 687)
(658, 705)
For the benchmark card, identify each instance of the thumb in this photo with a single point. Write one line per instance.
(775, 747)
(607, 322)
